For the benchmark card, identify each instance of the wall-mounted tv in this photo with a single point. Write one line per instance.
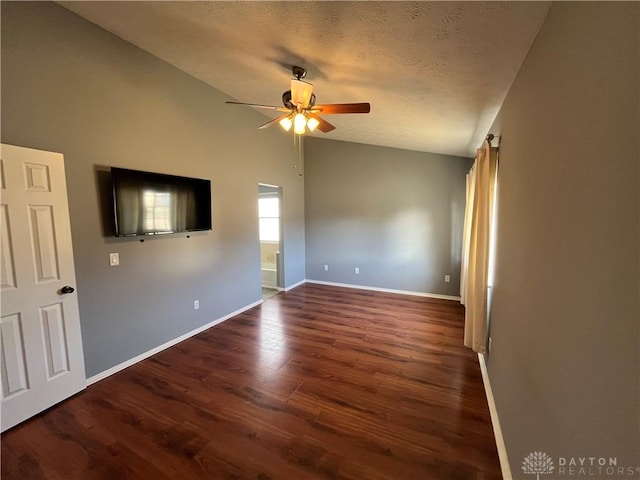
(148, 203)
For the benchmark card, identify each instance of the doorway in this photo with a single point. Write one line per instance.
(270, 235)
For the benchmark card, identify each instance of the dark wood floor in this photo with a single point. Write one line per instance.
(318, 382)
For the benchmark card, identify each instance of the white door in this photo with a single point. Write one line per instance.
(42, 360)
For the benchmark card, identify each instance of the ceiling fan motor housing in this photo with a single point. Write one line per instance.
(286, 100)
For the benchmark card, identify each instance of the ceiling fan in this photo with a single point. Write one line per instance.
(301, 111)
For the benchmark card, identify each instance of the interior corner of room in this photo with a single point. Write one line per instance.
(560, 343)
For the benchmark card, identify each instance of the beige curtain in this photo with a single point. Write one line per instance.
(466, 233)
(476, 241)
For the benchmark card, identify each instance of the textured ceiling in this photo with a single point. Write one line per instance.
(435, 73)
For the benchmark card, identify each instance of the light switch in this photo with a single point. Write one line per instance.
(114, 259)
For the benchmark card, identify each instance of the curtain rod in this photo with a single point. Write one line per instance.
(490, 137)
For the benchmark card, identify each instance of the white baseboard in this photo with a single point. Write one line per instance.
(291, 287)
(387, 290)
(164, 346)
(497, 430)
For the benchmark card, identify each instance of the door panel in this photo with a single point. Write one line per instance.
(44, 243)
(6, 251)
(41, 343)
(14, 371)
(55, 340)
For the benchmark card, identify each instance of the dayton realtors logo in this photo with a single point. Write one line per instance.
(537, 463)
(540, 463)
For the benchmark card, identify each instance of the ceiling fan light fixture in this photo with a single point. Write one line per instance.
(299, 122)
(286, 123)
(312, 123)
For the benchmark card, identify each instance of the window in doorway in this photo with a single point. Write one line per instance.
(269, 213)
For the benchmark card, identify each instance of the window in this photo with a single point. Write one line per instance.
(269, 214)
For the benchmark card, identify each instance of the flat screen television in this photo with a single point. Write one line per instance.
(148, 203)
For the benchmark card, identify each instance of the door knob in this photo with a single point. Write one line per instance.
(67, 289)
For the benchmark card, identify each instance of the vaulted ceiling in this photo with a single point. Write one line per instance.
(435, 73)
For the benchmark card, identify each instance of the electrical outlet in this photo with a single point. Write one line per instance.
(447, 278)
(114, 259)
(196, 304)
(357, 270)
(326, 267)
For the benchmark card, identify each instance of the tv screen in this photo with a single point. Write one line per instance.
(148, 203)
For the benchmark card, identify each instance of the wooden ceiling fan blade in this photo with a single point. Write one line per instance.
(275, 120)
(333, 108)
(301, 92)
(323, 125)
(256, 105)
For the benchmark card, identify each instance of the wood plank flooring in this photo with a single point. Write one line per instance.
(318, 382)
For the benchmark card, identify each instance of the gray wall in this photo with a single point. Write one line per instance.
(564, 366)
(395, 214)
(70, 87)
